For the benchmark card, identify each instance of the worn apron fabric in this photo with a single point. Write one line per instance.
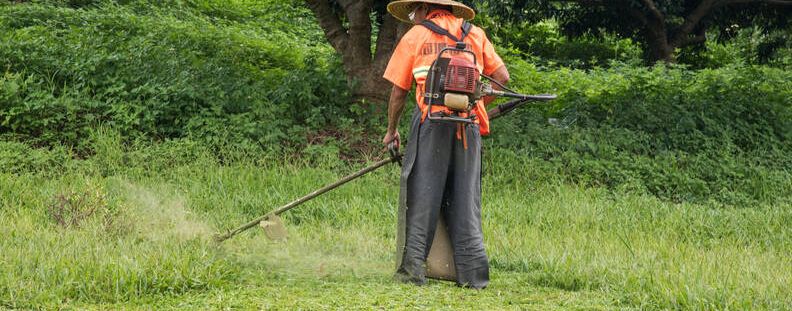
(440, 175)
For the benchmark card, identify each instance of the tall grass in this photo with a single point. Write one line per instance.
(149, 238)
(138, 241)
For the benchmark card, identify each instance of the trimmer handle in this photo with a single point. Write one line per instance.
(393, 149)
(485, 89)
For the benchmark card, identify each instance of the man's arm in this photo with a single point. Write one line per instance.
(395, 109)
(501, 75)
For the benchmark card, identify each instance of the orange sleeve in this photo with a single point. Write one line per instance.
(399, 70)
(491, 59)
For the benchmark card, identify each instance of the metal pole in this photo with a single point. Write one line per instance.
(508, 106)
(348, 178)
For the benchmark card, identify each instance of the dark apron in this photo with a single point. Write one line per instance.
(441, 179)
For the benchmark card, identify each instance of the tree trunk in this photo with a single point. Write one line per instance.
(368, 85)
(374, 86)
(654, 31)
(657, 45)
(661, 42)
(363, 70)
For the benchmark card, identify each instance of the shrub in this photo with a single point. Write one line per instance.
(244, 76)
(196, 69)
(716, 134)
(545, 45)
(18, 158)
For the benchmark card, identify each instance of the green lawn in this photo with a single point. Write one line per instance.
(147, 244)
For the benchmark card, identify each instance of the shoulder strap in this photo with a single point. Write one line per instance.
(440, 30)
(465, 29)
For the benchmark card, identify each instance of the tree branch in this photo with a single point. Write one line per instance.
(778, 2)
(386, 40)
(653, 9)
(357, 11)
(772, 2)
(637, 14)
(702, 10)
(330, 24)
(590, 2)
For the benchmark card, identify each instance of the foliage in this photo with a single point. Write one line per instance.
(661, 26)
(237, 77)
(185, 70)
(543, 44)
(719, 134)
(16, 158)
(743, 46)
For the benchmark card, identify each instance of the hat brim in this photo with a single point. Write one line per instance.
(401, 9)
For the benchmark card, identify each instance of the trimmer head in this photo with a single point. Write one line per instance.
(274, 228)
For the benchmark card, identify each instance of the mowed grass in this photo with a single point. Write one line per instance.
(147, 242)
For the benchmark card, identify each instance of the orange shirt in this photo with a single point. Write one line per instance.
(418, 49)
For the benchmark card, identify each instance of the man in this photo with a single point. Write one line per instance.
(442, 165)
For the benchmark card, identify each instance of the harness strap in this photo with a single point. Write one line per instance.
(440, 30)
(465, 29)
(460, 134)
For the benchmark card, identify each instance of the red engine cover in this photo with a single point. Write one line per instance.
(461, 76)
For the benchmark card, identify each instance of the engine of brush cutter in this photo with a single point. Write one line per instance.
(459, 84)
(453, 83)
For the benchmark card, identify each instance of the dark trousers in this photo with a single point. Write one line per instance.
(441, 175)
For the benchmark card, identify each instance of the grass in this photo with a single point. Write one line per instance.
(110, 226)
(143, 221)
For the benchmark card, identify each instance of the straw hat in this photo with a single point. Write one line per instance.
(401, 9)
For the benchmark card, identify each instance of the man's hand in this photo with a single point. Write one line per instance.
(501, 75)
(392, 137)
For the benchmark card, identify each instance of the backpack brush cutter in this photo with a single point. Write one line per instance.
(453, 81)
(271, 222)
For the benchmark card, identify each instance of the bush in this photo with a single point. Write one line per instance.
(545, 45)
(742, 46)
(18, 158)
(211, 76)
(196, 69)
(717, 134)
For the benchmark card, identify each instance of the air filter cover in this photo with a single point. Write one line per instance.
(461, 76)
